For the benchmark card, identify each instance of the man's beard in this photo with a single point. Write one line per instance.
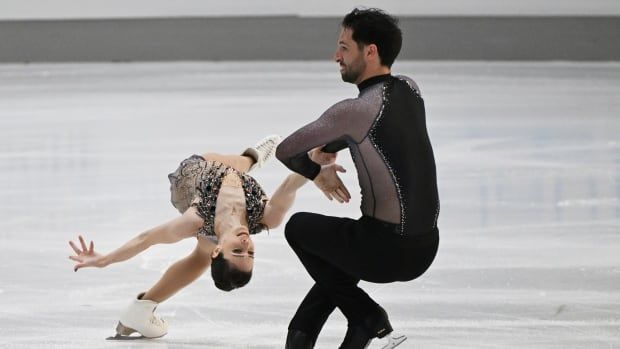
(352, 72)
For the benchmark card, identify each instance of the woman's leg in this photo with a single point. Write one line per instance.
(238, 162)
(179, 275)
(251, 158)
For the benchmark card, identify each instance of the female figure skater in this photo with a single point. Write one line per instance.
(222, 206)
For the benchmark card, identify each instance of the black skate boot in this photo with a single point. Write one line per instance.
(378, 326)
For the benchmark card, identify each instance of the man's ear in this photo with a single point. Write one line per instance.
(372, 51)
(216, 251)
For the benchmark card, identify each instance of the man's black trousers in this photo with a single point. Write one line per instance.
(339, 252)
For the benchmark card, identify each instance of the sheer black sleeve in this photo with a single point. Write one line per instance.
(334, 128)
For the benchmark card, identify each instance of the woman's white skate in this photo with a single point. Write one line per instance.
(140, 318)
(263, 151)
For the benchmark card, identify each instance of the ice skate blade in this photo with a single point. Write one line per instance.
(119, 337)
(122, 330)
(394, 341)
(123, 333)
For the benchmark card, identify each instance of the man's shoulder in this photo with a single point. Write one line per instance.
(348, 103)
(409, 81)
(404, 78)
(352, 107)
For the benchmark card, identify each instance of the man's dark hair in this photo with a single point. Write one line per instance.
(373, 26)
(225, 276)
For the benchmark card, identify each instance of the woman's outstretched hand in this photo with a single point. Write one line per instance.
(86, 256)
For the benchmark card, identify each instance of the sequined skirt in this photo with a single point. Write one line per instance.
(184, 182)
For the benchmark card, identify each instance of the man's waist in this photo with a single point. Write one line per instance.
(396, 228)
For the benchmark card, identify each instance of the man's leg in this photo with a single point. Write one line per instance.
(309, 318)
(332, 251)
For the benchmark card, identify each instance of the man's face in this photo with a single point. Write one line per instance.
(350, 57)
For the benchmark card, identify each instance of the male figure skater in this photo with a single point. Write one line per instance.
(396, 238)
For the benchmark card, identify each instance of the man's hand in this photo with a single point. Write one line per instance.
(330, 184)
(85, 257)
(322, 158)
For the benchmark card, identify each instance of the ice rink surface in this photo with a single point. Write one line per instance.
(528, 160)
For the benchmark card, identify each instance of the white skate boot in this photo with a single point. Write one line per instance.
(263, 151)
(140, 317)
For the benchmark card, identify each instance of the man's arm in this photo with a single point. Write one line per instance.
(335, 146)
(284, 197)
(333, 127)
(170, 232)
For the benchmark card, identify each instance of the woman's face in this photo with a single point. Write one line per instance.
(237, 248)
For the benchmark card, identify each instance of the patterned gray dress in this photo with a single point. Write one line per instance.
(197, 182)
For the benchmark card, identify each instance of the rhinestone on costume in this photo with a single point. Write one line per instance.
(209, 186)
(415, 91)
(373, 134)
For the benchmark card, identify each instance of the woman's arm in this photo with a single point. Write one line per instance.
(282, 200)
(170, 232)
(284, 197)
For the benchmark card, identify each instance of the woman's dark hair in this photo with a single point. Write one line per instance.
(225, 276)
(373, 26)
